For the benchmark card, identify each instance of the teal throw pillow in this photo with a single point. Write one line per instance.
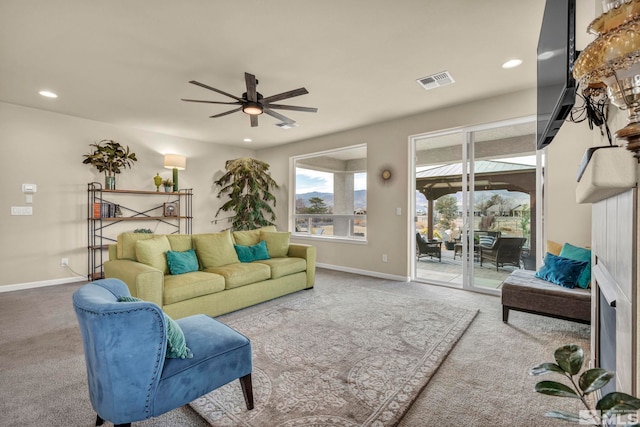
(182, 262)
(561, 271)
(176, 342)
(579, 254)
(255, 252)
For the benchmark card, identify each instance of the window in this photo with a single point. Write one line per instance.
(330, 194)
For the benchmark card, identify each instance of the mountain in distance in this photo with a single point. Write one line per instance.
(359, 198)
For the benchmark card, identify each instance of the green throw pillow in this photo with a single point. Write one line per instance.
(182, 262)
(255, 252)
(579, 254)
(215, 249)
(561, 271)
(277, 243)
(250, 237)
(152, 252)
(176, 342)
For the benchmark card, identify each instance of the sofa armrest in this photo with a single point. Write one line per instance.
(144, 282)
(113, 252)
(308, 252)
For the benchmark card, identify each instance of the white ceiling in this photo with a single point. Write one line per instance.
(128, 62)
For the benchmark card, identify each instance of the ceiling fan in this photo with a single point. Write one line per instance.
(253, 103)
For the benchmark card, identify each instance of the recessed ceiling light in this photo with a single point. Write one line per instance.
(247, 140)
(512, 63)
(48, 94)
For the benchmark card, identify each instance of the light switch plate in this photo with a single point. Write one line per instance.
(29, 188)
(21, 210)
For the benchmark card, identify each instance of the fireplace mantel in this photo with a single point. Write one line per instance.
(606, 173)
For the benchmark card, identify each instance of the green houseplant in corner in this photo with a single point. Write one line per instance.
(248, 184)
(613, 408)
(110, 157)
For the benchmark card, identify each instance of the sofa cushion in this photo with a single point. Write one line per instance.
(180, 242)
(554, 247)
(561, 271)
(240, 274)
(215, 249)
(126, 244)
(182, 262)
(252, 253)
(183, 287)
(176, 341)
(153, 252)
(284, 266)
(579, 254)
(277, 242)
(250, 237)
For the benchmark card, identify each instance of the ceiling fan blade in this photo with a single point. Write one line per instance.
(254, 121)
(225, 113)
(215, 90)
(285, 95)
(212, 102)
(293, 108)
(251, 82)
(278, 116)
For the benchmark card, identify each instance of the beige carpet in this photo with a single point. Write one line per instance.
(353, 357)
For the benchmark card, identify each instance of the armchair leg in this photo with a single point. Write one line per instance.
(100, 421)
(247, 390)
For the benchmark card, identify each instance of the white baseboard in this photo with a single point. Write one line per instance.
(364, 272)
(30, 285)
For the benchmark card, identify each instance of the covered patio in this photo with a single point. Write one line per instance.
(489, 175)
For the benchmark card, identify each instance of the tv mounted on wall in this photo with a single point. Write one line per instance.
(556, 53)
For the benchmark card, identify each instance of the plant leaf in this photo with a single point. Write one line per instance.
(562, 415)
(554, 388)
(545, 368)
(617, 402)
(594, 379)
(570, 358)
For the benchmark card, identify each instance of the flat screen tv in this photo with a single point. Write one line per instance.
(556, 53)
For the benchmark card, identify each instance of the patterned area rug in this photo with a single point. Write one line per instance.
(356, 357)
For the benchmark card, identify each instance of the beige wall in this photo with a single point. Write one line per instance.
(46, 149)
(566, 220)
(388, 144)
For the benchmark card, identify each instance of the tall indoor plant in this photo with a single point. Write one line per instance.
(110, 157)
(248, 184)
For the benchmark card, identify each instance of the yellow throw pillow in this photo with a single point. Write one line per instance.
(277, 243)
(153, 252)
(215, 249)
(126, 247)
(180, 242)
(250, 237)
(554, 247)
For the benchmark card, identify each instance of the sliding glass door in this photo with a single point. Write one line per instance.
(475, 199)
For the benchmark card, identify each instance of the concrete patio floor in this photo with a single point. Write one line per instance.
(449, 271)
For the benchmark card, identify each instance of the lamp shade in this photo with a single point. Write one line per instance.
(175, 161)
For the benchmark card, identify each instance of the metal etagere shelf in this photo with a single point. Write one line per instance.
(104, 212)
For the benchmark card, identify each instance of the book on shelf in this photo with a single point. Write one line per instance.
(105, 210)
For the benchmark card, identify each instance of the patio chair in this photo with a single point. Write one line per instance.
(505, 250)
(431, 248)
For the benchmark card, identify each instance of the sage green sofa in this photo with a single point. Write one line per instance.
(219, 283)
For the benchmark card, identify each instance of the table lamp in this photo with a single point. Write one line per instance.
(175, 162)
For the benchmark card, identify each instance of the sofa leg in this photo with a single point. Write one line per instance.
(247, 390)
(505, 314)
(99, 420)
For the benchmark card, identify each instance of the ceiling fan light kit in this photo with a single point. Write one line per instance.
(253, 103)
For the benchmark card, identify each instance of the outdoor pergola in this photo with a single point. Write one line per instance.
(489, 175)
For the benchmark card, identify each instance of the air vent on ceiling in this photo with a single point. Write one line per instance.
(436, 80)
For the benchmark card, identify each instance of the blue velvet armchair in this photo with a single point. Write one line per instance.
(125, 344)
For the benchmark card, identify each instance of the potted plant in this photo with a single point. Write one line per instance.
(611, 407)
(109, 157)
(168, 185)
(248, 184)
